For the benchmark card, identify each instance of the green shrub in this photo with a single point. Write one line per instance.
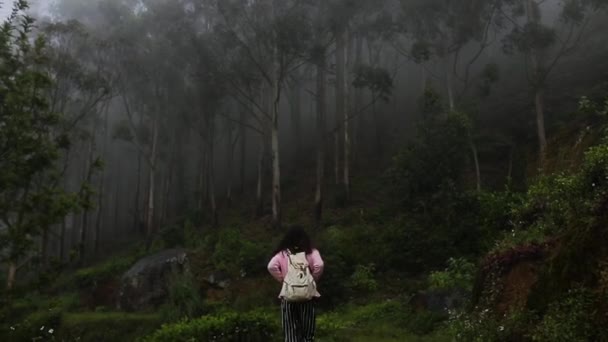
(184, 299)
(569, 319)
(484, 325)
(39, 325)
(239, 256)
(363, 279)
(91, 276)
(106, 326)
(254, 326)
(459, 274)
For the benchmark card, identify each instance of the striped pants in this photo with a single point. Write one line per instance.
(299, 321)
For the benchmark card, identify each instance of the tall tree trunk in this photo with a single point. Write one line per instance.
(296, 119)
(476, 162)
(85, 215)
(11, 276)
(100, 197)
(347, 112)
(533, 16)
(44, 247)
(259, 195)
(540, 124)
(321, 114)
(448, 82)
(211, 172)
(276, 164)
(243, 137)
(151, 186)
(424, 78)
(117, 209)
(510, 168)
(341, 97)
(358, 100)
(229, 162)
(62, 237)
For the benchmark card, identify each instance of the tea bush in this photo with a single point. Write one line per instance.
(226, 327)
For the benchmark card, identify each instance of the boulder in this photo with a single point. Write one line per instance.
(145, 284)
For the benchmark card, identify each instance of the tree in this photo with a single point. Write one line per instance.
(272, 36)
(544, 46)
(31, 198)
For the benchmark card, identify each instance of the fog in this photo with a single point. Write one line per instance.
(180, 100)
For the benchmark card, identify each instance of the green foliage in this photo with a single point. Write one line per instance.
(106, 326)
(112, 268)
(431, 168)
(253, 326)
(184, 300)
(30, 198)
(485, 326)
(238, 255)
(39, 325)
(377, 80)
(571, 318)
(459, 274)
(363, 279)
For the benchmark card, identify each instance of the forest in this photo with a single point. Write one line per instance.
(448, 158)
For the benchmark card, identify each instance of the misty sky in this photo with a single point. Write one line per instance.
(37, 5)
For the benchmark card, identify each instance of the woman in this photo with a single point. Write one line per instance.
(298, 318)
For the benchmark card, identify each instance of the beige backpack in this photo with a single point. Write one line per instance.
(298, 285)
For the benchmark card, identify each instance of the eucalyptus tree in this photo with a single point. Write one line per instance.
(272, 35)
(544, 43)
(81, 90)
(31, 141)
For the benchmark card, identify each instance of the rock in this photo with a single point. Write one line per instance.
(219, 279)
(144, 285)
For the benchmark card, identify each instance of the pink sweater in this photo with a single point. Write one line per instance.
(278, 266)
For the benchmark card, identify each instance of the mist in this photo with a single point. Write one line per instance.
(412, 139)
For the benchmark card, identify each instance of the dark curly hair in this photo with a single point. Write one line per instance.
(296, 240)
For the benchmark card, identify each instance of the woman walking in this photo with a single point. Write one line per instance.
(297, 265)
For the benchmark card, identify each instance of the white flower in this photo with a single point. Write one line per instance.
(12, 328)
(501, 328)
(42, 328)
(51, 331)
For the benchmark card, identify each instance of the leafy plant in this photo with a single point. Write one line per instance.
(459, 274)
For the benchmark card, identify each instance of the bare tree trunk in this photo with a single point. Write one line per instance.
(347, 112)
(537, 69)
(62, 238)
(229, 162)
(424, 79)
(540, 124)
(358, 100)
(44, 246)
(510, 169)
(476, 162)
(211, 172)
(151, 186)
(276, 165)
(117, 208)
(85, 215)
(321, 114)
(341, 97)
(296, 119)
(259, 188)
(243, 137)
(12, 275)
(100, 196)
(448, 82)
